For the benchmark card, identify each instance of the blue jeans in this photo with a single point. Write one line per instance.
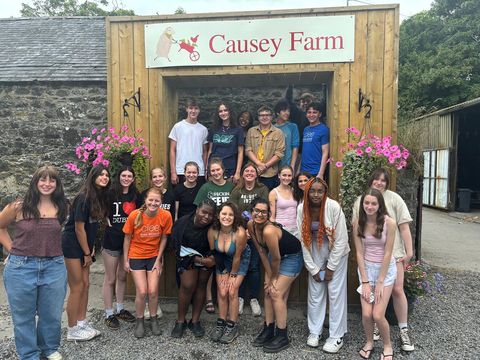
(252, 279)
(36, 286)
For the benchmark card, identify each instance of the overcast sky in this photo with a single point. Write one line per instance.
(11, 8)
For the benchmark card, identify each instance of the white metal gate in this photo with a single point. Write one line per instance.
(435, 178)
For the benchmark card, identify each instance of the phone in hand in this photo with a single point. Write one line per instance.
(321, 274)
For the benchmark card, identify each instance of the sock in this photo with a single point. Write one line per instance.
(71, 328)
(402, 325)
(119, 307)
(230, 323)
(108, 312)
(81, 323)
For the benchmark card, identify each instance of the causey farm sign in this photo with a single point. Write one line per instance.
(246, 42)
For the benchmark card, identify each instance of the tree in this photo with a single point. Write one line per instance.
(439, 62)
(72, 8)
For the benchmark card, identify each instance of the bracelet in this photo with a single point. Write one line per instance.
(365, 282)
(89, 254)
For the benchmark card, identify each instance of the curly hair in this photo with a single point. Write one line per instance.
(307, 218)
(237, 218)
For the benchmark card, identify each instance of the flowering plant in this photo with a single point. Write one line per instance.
(113, 150)
(419, 280)
(361, 157)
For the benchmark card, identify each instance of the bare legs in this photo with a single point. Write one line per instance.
(114, 281)
(146, 283)
(400, 303)
(276, 303)
(227, 296)
(193, 285)
(78, 282)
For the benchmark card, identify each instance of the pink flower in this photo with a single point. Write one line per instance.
(391, 160)
(145, 153)
(350, 146)
(339, 164)
(135, 150)
(105, 162)
(103, 130)
(85, 139)
(393, 148)
(368, 150)
(405, 154)
(386, 153)
(124, 128)
(359, 152)
(77, 171)
(94, 131)
(361, 143)
(139, 131)
(112, 130)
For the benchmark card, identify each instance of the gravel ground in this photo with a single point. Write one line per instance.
(442, 327)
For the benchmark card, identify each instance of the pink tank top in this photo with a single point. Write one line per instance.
(286, 211)
(374, 248)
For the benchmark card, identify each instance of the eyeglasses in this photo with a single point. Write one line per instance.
(258, 212)
(264, 115)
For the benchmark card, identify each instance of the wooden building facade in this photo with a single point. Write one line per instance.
(374, 70)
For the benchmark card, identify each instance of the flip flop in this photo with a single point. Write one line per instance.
(209, 307)
(390, 356)
(368, 353)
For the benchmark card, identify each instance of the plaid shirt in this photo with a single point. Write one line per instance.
(274, 144)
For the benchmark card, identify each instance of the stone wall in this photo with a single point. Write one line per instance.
(41, 123)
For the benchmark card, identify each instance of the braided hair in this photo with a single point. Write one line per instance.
(307, 218)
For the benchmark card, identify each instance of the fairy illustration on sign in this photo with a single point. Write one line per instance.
(166, 40)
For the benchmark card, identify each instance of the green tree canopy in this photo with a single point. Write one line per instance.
(439, 57)
(38, 8)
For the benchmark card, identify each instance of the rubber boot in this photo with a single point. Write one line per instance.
(139, 328)
(155, 325)
(278, 343)
(265, 335)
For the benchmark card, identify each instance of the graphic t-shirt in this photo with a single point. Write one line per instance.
(313, 139)
(219, 194)
(243, 197)
(225, 143)
(146, 238)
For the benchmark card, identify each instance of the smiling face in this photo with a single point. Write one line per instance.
(226, 216)
(380, 183)
(260, 213)
(102, 179)
(285, 176)
(204, 215)
(158, 178)
(316, 193)
(370, 205)
(302, 181)
(153, 201)
(284, 115)
(249, 174)
(223, 113)
(192, 113)
(46, 185)
(191, 173)
(126, 179)
(313, 116)
(265, 118)
(216, 172)
(244, 119)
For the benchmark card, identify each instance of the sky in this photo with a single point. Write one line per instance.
(11, 8)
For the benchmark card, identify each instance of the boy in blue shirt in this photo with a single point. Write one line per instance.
(290, 131)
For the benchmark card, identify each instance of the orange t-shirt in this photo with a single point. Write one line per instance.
(146, 238)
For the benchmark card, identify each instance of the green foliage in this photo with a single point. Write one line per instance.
(439, 62)
(72, 8)
(141, 171)
(180, 10)
(420, 280)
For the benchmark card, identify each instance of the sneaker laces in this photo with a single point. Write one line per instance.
(404, 336)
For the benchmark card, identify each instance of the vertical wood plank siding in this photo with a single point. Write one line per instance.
(375, 71)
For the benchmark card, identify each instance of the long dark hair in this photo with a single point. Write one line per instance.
(250, 122)
(32, 197)
(297, 192)
(217, 121)
(94, 196)
(376, 174)
(116, 191)
(237, 219)
(381, 213)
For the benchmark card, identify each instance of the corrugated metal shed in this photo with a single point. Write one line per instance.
(53, 49)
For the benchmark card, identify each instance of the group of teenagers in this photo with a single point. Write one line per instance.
(222, 216)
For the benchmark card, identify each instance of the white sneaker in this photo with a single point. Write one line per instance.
(376, 332)
(78, 333)
(312, 340)
(405, 339)
(256, 309)
(55, 356)
(332, 346)
(146, 313)
(240, 305)
(89, 327)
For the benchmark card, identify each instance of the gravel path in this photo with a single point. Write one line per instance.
(444, 327)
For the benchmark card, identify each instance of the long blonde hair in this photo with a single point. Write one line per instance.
(164, 186)
(138, 219)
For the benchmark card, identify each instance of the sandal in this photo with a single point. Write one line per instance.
(366, 353)
(209, 307)
(384, 356)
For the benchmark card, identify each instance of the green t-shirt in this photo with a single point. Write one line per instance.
(210, 190)
(243, 197)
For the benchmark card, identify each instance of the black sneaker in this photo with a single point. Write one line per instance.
(279, 342)
(230, 333)
(265, 336)
(112, 322)
(125, 315)
(217, 332)
(178, 330)
(197, 329)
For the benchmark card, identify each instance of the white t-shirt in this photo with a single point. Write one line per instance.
(190, 139)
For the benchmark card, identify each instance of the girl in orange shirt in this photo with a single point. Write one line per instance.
(146, 233)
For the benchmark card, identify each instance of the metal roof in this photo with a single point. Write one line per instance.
(451, 109)
(53, 49)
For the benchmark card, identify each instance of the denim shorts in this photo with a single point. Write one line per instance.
(142, 264)
(373, 269)
(290, 264)
(244, 263)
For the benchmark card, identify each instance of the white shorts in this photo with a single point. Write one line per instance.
(373, 269)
